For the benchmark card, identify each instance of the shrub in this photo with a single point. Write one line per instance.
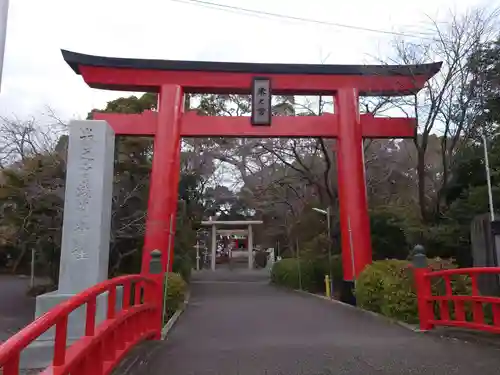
(286, 273)
(387, 287)
(176, 292)
(370, 284)
(319, 268)
(183, 266)
(337, 271)
(261, 259)
(399, 299)
(312, 271)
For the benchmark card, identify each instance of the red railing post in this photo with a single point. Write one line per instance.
(11, 367)
(423, 289)
(90, 317)
(60, 341)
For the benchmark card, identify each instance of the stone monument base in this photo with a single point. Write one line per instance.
(39, 354)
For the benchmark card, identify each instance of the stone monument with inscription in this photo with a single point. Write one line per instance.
(85, 232)
(484, 253)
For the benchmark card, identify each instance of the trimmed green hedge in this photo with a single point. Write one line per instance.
(312, 273)
(183, 266)
(176, 293)
(387, 287)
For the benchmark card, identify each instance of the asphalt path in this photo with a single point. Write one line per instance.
(236, 323)
(16, 308)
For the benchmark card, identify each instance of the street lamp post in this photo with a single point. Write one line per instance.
(496, 239)
(488, 177)
(197, 247)
(327, 213)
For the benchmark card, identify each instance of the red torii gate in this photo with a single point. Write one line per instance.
(171, 79)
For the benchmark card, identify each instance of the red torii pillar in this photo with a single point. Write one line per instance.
(164, 180)
(354, 219)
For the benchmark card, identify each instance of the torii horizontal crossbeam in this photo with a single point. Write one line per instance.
(125, 74)
(193, 125)
(232, 222)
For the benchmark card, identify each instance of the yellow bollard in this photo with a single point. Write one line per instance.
(327, 287)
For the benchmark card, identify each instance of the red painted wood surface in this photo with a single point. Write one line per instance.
(162, 202)
(353, 207)
(193, 125)
(102, 347)
(450, 309)
(128, 79)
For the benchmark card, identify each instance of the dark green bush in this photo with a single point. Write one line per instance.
(387, 287)
(183, 266)
(312, 273)
(286, 273)
(337, 272)
(319, 268)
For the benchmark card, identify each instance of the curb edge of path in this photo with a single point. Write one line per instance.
(171, 322)
(374, 314)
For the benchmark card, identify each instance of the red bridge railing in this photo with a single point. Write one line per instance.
(104, 345)
(473, 311)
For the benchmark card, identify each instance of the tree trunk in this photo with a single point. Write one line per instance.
(19, 259)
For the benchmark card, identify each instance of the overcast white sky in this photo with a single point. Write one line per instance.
(36, 76)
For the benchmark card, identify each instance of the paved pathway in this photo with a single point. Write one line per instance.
(250, 327)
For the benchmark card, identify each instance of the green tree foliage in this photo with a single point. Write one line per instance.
(131, 104)
(389, 239)
(485, 63)
(31, 200)
(131, 187)
(132, 171)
